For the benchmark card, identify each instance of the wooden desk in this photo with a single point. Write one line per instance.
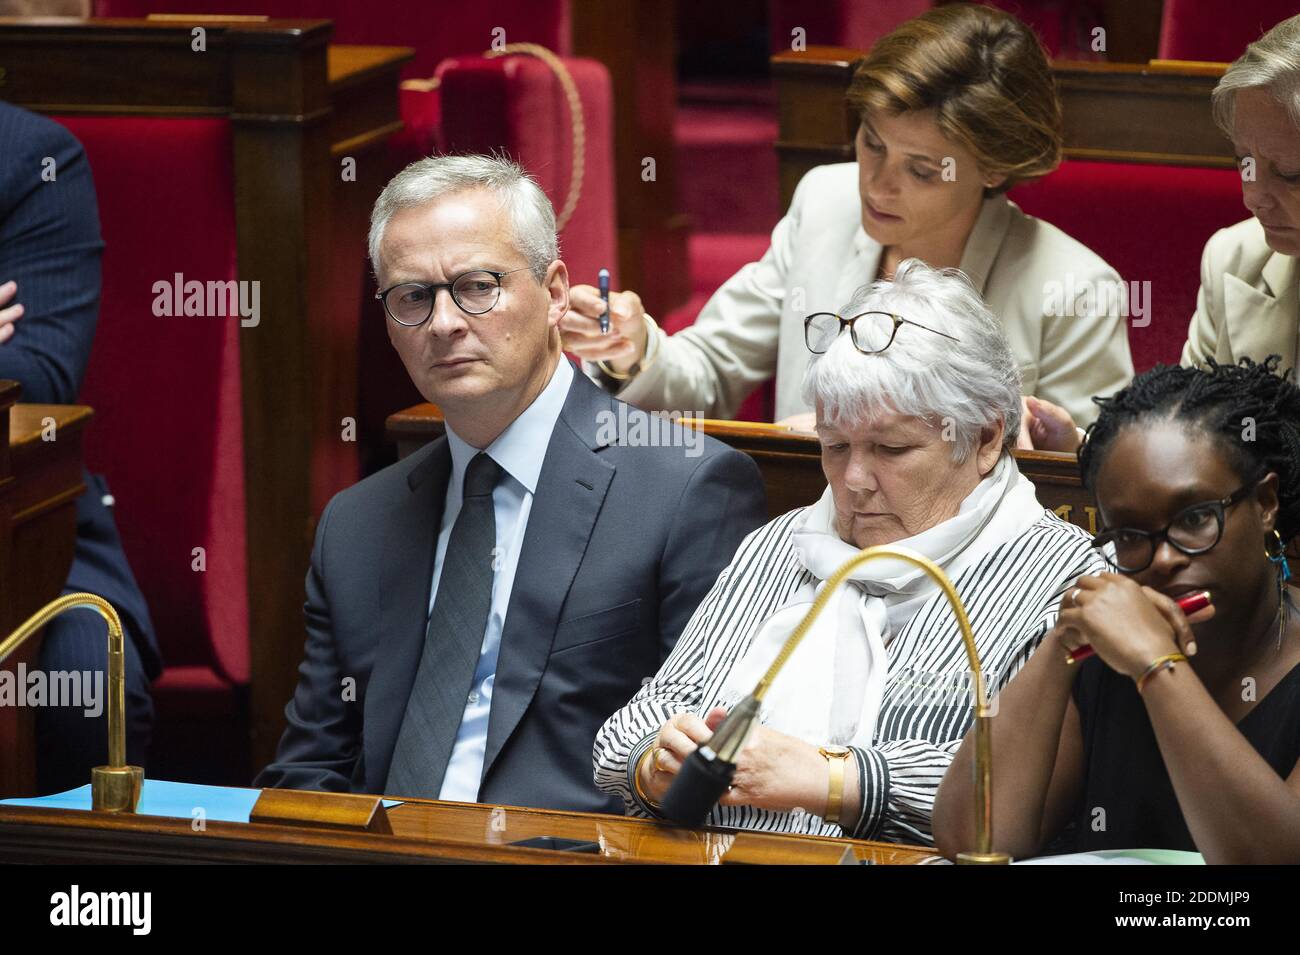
(1157, 112)
(423, 831)
(297, 108)
(40, 482)
(791, 463)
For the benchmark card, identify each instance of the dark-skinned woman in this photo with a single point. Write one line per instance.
(1181, 732)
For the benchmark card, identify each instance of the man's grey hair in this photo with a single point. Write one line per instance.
(1273, 63)
(532, 218)
(959, 386)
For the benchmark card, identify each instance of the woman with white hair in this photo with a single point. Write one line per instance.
(917, 398)
(1249, 302)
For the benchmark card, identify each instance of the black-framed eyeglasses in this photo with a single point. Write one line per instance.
(1194, 530)
(476, 292)
(872, 332)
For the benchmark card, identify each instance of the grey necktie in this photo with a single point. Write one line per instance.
(452, 642)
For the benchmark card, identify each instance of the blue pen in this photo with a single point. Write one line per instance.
(604, 297)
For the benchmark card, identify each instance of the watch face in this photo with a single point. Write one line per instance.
(835, 750)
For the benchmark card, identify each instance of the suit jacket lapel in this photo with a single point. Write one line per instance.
(1260, 323)
(403, 610)
(985, 241)
(570, 491)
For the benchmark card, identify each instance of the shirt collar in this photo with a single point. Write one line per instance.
(521, 447)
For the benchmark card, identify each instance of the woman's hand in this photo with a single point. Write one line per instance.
(625, 344)
(1126, 624)
(804, 422)
(778, 772)
(1046, 427)
(773, 771)
(677, 739)
(8, 313)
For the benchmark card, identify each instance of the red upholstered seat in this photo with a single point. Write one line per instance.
(516, 105)
(1205, 30)
(1150, 223)
(168, 426)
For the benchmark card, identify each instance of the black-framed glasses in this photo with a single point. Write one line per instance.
(476, 292)
(872, 332)
(1194, 530)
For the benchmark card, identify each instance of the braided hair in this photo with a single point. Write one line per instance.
(1252, 411)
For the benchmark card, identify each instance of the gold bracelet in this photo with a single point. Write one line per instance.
(636, 781)
(1165, 662)
(648, 359)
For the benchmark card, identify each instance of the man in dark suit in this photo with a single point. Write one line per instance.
(476, 611)
(49, 302)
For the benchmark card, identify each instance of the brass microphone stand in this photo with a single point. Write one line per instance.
(115, 787)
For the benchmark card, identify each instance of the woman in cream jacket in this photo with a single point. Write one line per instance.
(935, 157)
(1249, 302)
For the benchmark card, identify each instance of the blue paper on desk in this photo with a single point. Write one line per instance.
(173, 800)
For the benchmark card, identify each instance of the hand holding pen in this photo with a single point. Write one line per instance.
(604, 300)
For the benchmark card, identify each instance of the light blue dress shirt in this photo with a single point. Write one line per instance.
(519, 450)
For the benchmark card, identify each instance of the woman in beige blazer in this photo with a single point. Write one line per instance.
(1249, 302)
(956, 106)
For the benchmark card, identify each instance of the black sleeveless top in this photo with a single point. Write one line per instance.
(1125, 775)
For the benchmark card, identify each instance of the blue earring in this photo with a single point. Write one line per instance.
(1279, 559)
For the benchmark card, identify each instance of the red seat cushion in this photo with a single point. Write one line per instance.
(1201, 30)
(1150, 223)
(168, 426)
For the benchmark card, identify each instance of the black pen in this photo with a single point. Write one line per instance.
(604, 297)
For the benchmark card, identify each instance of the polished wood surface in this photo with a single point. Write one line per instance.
(348, 811)
(423, 831)
(1155, 112)
(40, 481)
(298, 109)
(790, 463)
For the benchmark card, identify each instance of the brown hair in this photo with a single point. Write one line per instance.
(986, 76)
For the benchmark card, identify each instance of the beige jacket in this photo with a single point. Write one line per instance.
(752, 328)
(1249, 301)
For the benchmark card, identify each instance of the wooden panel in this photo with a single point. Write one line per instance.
(423, 831)
(1158, 113)
(1132, 29)
(791, 463)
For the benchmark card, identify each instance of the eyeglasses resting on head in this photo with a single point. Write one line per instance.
(872, 332)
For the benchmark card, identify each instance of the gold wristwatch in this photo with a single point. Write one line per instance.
(837, 757)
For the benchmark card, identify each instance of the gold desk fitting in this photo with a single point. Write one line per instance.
(115, 787)
(730, 736)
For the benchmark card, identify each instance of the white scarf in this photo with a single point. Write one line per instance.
(831, 688)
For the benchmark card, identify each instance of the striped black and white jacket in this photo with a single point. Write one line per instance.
(1011, 598)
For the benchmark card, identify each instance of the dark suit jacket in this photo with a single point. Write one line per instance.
(622, 544)
(50, 245)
